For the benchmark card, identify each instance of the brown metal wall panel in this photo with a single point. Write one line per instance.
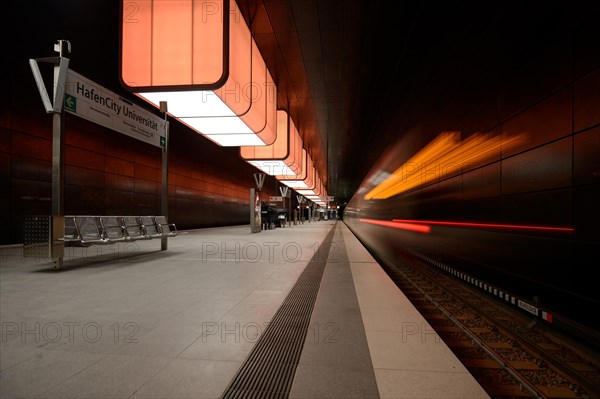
(78, 176)
(482, 182)
(586, 56)
(119, 146)
(27, 168)
(148, 156)
(587, 101)
(39, 125)
(146, 187)
(587, 157)
(84, 158)
(5, 139)
(118, 202)
(585, 210)
(31, 146)
(34, 199)
(118, 182)
(118, 166)
(545, 208)
(451, 189)
(177, 179)
(5, 165)
(548, 120)
(145, 204)
(543, 168)
(533, 72)
(84, 134)
(146, 172)
(84, 200)
(5, 117)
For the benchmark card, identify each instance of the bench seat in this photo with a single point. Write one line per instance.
(84, 231)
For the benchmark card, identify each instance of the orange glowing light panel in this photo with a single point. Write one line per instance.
(164, 43)
(308, 183)
(440, 158)
(200, 57)
(301, 178)
(284, 156)
(313, 191)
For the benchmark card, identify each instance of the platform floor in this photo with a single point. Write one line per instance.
(134, 321)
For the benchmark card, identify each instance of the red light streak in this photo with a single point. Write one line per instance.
(485, 225)
(404, 226)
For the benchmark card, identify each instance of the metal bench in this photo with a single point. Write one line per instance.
(83, 231)
(47, 236)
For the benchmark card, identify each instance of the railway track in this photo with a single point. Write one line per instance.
(505, 351)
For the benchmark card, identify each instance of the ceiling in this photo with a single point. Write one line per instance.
(338, 63)
(313, 50)
(359, 76)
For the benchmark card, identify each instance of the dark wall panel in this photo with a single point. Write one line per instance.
(542, 168)
(548, 120)
(587, 101)
(587, 157)
(482, 182)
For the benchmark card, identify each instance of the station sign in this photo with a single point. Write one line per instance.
(275, 199)
(90, 101)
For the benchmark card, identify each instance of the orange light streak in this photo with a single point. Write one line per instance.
(439, 158)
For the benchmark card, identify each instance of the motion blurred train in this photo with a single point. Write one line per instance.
(513, 212)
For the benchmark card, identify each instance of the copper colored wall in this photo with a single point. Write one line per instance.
(109, 173)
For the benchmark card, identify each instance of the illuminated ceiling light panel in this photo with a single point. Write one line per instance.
(443, 156)
(284, 156)
(307, 181)
(294, 183)
(200, 57)
(315, 191)
(298, 179)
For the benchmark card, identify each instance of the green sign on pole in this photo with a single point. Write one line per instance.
(70, 103)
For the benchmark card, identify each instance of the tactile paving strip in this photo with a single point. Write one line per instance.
(269, 370)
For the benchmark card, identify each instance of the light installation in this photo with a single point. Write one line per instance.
(200, 57)
(284, 156)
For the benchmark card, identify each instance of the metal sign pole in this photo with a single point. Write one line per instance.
(284, 192)
(56, 107)
(256, 203)
(164, 199)
(300, 200)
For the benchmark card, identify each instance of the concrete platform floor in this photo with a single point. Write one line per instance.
(130, 320)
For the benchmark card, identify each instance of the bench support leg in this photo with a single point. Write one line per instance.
(164, 243)
(57, 263)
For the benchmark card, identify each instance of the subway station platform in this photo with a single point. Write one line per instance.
(300, 312)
